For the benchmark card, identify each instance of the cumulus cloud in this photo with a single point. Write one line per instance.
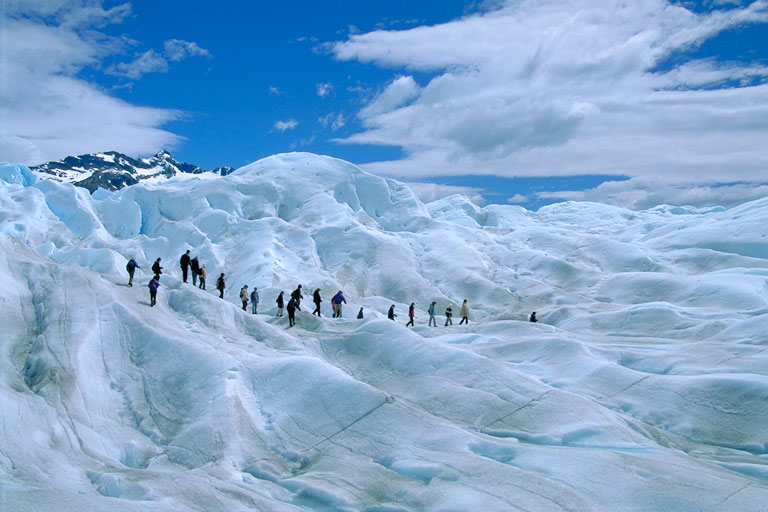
(283, 126)
(568, 87)
(175, 50)
(48, 112)
(644, 193)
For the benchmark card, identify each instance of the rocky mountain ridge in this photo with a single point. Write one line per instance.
(112, 170)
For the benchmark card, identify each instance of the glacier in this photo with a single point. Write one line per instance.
(643, 386)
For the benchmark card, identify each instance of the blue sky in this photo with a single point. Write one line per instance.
(524, 102)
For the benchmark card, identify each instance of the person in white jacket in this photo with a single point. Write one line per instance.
(464, 313)
(244, 296)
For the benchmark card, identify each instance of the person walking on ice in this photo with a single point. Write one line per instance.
(448, 316)
(533, 318)
(336, 304)
(131, 267)
(184, 261)
(317, 300)
(464, 313)
(391, 313)
(244, 296)
(280, 304)
(202, 277)
(431, 311)
(293, 305)
(411, 314)
(254, 299)
(154, 284)
(360, 314)
(220, 285)
(194, 266)
(156, 268)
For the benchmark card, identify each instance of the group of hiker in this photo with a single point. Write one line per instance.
(188, 263)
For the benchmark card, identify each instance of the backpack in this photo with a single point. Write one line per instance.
(130, 266)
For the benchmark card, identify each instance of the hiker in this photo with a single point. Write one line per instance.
(280, 303)
(184, 262)
(254, 300)
(131, 267)
(156, 268)
(194, 266)
(391, 313)
(317, 300)
(448, 316)
(296, 294)
(464, 313)
(411, 313)
(293, 305)
(533, 317)
(220, 285)
(431, 312)
(202, 277)
(336, 304)
(154, 284)
(360, 314)
(244, 296)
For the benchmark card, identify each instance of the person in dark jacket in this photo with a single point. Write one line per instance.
(292, 307)
(360, 314)
(280, 304)
(317, 300)
(194, 266)
(411, 314)
(336, 304)
(254, 299)
(131, 267)
(154, 284)
(391, 313)
(184, 262)
(220, 285)
(156, 268)
(296, 295)
(533, 317)
(448, 316)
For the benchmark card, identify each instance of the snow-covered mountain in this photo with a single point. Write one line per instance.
(113, 171)
(642, 388)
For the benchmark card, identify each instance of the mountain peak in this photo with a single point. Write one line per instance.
(111, 170)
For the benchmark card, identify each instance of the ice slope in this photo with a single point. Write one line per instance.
(643, 388)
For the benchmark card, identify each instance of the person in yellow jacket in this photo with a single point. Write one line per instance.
(464, 313)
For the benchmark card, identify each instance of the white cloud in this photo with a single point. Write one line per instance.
(283, 126)
(275, 90)
(568, 87)
(48, 112)
(518, 198)
(148, 62)
(324, 89)
(332, 120)
(644, 193)
(396, 94)
(177, 50)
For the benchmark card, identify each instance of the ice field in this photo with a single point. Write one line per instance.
(643, 387)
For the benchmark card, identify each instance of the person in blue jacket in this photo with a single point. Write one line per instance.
(431, 311)
(154, 284)
(131, 267)
(292, 305)
(336, 304)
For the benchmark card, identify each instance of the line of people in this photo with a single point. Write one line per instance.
(188, 263)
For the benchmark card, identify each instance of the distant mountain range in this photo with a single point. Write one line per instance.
(113, 170)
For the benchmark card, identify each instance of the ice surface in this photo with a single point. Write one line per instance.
(642, 388)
